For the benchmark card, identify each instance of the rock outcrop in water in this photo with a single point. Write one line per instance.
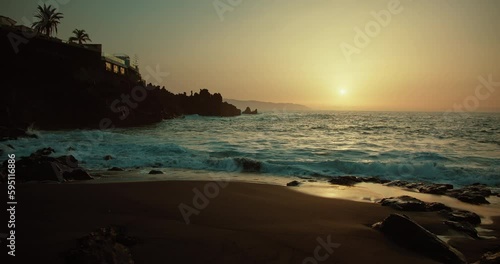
(248, 111)
(248, 165)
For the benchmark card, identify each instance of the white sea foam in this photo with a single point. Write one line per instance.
(411, 146)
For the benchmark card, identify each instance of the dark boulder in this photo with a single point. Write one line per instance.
(405, 203)
(77, 174)
(345, 180)
(464, 227)
(407, 233)
(473, 194)
(108, 157)
(435, 188)
(461, 216)
(156, 172)
(39, 166)
(352, 180)
(248, 165)
(293, 183)
(107, 245)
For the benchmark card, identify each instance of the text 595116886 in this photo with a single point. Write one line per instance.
(11, 205)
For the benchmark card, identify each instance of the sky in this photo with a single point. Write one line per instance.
(386, 55)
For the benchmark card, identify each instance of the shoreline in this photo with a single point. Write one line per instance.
(243, 223)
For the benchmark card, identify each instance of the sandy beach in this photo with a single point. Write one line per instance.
(243, 223)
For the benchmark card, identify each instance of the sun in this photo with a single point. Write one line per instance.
(342, 91)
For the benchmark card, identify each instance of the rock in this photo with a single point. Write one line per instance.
(39, 166)
(352, 180)
(408, 203)
(405, 203)
(489, 258)
(155, 172)
(397, 183)
(108, 157)
(433, 207)
(405, 232)
(293, 183)
(71, 149)
(345, 180)
(248, 165)
(461, 216)
(10, 146)
(107, 245)
(465, 227)
(78, 174)
(473, 194)
(44, 152)
(115, 169)
(249, 112)
(435, 188)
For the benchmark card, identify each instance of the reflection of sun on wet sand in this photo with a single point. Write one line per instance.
(244, 223)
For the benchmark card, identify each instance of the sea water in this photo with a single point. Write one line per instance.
(455, 148)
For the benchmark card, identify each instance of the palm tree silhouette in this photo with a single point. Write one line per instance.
(80, 36)
(48, 19)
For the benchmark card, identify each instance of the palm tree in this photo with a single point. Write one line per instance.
(80, 36)
(48, 19)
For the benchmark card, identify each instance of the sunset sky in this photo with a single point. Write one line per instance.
(428, 57)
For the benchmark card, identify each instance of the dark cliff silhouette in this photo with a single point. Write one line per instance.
(58, 85)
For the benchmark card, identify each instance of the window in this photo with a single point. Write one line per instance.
(108, 66)
(115, 68)
(122, 70)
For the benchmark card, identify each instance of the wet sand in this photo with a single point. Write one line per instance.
(241, 223)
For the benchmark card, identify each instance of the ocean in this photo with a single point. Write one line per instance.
(455, 148)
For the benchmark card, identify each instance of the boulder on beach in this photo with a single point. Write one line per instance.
(108, 157)
(156, 172)
(106, 245)
(408, 203)
(461, 216)
(404, 203)
(473, 194)
(464, 227)
(407, 233)
(39, 166)
(352, 180)
(293, 183)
